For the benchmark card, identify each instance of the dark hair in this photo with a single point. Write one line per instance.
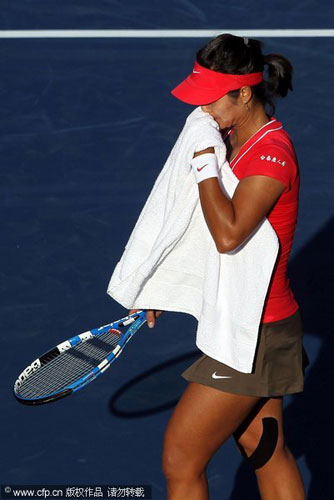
(238, 56)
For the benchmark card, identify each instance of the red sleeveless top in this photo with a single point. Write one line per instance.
(270, 152)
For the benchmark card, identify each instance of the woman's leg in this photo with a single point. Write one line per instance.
(203, 419)
(276, 470)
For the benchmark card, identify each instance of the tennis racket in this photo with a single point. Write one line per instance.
(76, 362)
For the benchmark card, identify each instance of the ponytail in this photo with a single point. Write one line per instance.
(280, 70)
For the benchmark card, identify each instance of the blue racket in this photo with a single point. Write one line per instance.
(76, 362)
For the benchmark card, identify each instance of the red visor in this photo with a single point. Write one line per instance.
(204, 85)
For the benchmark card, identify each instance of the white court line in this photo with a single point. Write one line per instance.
(163, 33)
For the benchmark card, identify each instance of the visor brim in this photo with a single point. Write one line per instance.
(192, 94)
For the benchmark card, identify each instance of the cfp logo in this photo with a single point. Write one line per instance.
(273, 159)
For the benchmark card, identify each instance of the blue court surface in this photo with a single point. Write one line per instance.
(86, 126)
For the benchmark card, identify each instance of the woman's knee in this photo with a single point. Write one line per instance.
(181, 456)
(259, 443)
(177, 463)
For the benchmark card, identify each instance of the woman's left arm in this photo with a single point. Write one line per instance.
(230, 222)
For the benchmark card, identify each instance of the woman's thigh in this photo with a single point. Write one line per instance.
(203, 419)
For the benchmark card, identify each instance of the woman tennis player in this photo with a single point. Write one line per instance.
(220, 401)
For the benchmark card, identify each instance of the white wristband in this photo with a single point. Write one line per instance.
(205, 166)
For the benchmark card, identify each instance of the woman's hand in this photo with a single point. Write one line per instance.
(150, 315)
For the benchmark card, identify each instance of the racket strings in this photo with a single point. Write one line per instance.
(49, 357)
(66, 368)
(88, 353)
(69, 366)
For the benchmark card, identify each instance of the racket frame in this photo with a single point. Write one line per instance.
(135, 320)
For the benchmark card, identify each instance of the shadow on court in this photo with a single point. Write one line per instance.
(161, 384)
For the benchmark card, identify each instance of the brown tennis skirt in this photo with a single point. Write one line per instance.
(278, 368)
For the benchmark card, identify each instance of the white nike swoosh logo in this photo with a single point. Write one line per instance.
(220, 376)
(196, 71)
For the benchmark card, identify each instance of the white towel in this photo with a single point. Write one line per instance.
(171, 262)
